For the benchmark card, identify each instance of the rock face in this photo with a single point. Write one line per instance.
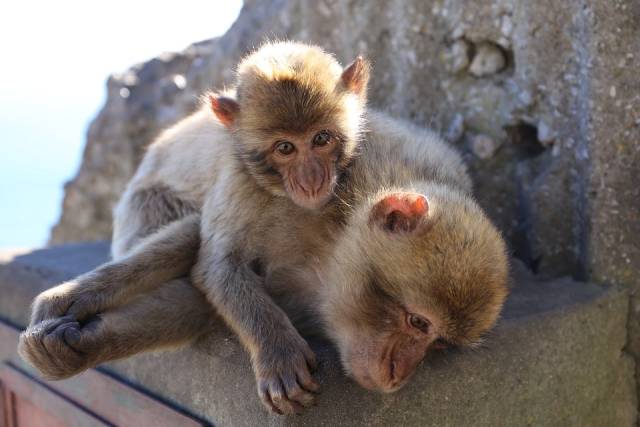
(543, 99)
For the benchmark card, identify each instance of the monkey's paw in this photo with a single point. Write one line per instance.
(283, 374)
(74, 298)
(58, 348)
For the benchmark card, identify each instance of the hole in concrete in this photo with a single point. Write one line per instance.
(521, 240)
(531, 161)
(524, 138)
(511, 60)
(487, 58)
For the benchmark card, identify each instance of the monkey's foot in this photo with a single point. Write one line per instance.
(59, 348)
(283, 375)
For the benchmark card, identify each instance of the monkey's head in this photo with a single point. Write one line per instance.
(412, 272)
(297, 115)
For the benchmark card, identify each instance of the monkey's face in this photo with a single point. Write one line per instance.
(382, 343)
(302, 166)
(298, 141)
(412, 273)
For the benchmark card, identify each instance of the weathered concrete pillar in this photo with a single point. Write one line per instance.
(612, 121)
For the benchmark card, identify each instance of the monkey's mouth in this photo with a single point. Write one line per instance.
(314, 201)
(378, 373)
(378, 383)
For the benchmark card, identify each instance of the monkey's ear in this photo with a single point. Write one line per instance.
(225, 109)
(399, 212)
(356, 76)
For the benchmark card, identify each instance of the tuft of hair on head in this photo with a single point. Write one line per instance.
(292, 86)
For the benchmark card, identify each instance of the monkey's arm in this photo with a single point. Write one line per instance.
(281, 358)
(165, 255)
(173, 314)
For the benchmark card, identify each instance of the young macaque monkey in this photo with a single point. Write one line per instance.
(393, 258)
(285, 133)
(263, 131)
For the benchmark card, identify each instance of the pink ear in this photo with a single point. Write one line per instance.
(225, 109)
(400, 212)
(356, 76)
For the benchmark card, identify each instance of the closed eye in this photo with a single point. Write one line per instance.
(441, 344)
(418, 322)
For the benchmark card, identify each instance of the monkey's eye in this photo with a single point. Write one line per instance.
(419, 322)
(322, 138)
(285, 148)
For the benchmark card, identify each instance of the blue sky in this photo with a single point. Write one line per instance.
(56, 57)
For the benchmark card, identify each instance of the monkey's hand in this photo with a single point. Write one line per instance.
(60, 348)
(80, 297)
(283, 374)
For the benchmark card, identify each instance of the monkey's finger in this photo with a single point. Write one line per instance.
(32, 348)
(296, 393)
(44, 327)
(35, 330)
(53, 357)
(310, 357)
(54, 341)
(53, 324)
(46, 308)
(306, 380)
(265, 397)
(86, 339)
(72, 337)
(281, 401)
(82, 308)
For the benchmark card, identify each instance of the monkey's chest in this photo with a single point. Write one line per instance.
(290, 269)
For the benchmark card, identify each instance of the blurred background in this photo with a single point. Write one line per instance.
(57, 57)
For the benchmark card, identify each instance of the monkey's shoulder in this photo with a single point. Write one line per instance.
(188, 157)
(397, 152)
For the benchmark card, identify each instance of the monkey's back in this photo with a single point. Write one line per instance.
(178, 169)
(398, 153)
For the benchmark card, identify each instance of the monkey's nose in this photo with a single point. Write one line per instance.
(311, 177)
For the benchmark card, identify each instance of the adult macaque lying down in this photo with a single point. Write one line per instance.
(397, 260)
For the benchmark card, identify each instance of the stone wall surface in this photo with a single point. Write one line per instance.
(542, 97)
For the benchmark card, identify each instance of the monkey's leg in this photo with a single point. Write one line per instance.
(174, 314)
(167, 254)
